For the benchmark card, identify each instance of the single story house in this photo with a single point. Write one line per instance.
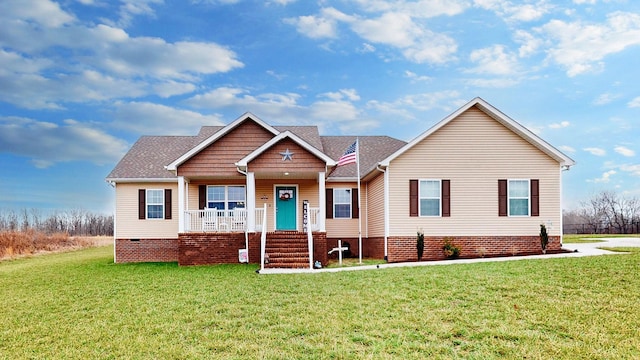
(275, 195)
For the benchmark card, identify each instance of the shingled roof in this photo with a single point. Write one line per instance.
(372, 150)
(148, 157)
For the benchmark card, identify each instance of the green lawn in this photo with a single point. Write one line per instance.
(80, 305)
(591, 238)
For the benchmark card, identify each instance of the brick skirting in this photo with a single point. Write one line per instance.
(404, 248)
(222, 248)
(146, 250)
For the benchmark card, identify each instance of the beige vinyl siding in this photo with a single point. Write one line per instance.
(375, 210)
(347, 227)
(128, 226)
(474, 151)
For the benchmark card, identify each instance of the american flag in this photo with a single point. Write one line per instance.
(349, 156)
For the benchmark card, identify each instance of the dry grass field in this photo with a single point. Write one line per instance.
(16, 244)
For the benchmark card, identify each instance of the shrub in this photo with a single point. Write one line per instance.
(450, 250)
(544, 238)
(420, 244)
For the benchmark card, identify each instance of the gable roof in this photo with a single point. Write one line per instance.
(501, 118)
(148, 156)
(285, 135)
(217, 135)
(372, 150)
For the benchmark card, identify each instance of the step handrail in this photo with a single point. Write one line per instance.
(310, 244)
(263, 237)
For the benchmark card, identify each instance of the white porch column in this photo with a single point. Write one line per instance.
(251, 202)
(322, 201)
(181, 198)
(386, 212)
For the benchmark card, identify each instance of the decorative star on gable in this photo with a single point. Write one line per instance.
(287, 155)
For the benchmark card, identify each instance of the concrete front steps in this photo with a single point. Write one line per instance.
(287, 250)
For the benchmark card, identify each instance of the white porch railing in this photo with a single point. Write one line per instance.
(212, 220)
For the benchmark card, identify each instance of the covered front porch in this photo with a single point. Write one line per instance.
(232, 205)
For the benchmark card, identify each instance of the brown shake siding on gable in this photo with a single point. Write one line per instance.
(219, 158)
(271, 160)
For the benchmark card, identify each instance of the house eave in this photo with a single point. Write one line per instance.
(141, 180)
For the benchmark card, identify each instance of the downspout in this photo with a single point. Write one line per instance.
(113, 185)
(386, 214)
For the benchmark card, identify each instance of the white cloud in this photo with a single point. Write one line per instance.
(99, 63)
(334, 109)
(419, 8)
(321, 26)
(47, 143)
(580, 47)
(632, 169)
(515, 12)
(494, 60)
(605, 98)
(492, 82)
(605, 178)
(625, 151)
(529, 43)
(634, 103)
(406, 106)
(595, 151)
(148, 118)
(415, 77)
(43, 12)
(560, 125)
(396, 29)
(132, 8)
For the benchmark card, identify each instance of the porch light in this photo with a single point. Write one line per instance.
(286, 174)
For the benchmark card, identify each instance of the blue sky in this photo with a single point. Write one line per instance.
(81, 80)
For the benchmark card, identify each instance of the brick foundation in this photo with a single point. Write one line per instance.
(216, 248)
(146, 250)
(222, 248)
(404, 248)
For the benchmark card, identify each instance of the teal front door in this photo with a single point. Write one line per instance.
(286, 207)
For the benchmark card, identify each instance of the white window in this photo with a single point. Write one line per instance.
(342, 203)
(226, 197)
(429, 194)
(519, 197)
(155, 204)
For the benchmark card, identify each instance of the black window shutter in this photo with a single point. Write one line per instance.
(202, 197)
(446, 198)
(329, 203)
(413, 197)
(142, 204)
(167, 204)
(535, 197)
(354, 204)
(502, 197)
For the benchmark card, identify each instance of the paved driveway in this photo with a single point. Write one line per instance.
(592, 248)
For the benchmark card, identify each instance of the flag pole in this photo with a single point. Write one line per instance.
(359, 207)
